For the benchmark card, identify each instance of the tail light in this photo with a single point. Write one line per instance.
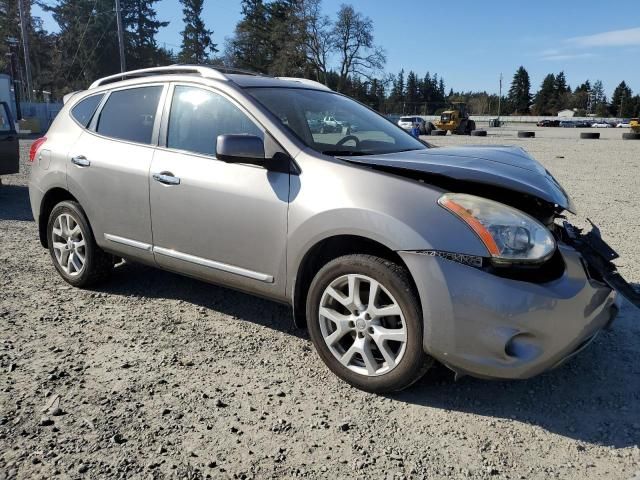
(35, 146)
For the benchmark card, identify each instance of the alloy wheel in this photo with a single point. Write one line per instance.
(363, 325)
(69, 244)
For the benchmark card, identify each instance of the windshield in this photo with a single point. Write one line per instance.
(333, 124)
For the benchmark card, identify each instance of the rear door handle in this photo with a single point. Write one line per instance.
(80, 161)
(166, 178)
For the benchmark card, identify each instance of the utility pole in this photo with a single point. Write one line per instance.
(123, 66)
(25, 44)
(500, 97)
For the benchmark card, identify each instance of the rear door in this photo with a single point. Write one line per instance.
(9, 149)
(108, 170)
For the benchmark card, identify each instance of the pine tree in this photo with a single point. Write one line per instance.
(197, 42)
(139, 19)
(520, 92)
(412, 93)
(622, 103)
(545, 97)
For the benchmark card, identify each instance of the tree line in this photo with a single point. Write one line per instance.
(274, 37)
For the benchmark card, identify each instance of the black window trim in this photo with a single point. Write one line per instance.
(92, 128)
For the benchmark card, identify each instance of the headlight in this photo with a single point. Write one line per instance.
(510, 235)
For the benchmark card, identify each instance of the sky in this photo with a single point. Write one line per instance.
(471, 43)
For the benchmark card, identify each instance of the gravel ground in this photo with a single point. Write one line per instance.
(152, 375)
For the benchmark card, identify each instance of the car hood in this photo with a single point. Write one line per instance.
(501, 166)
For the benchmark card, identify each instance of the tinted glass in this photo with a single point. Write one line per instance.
(85, 109)
(5, 123)
(334, 124)
(198, 116)
(129, 114)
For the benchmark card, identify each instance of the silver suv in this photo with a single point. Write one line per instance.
(393, 253)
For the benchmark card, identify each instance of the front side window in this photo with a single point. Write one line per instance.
(5, 123)
(84, 109)
(334, 124)
(198, 116)
(129, 114)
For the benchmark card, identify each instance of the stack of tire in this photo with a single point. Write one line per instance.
(631, 136)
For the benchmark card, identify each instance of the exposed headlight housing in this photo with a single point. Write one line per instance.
(511, 236)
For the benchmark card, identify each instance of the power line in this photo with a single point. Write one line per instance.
(86, 27)
(94, 48)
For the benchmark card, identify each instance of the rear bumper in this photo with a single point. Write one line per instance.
(492, 327)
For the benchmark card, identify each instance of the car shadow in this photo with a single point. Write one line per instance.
(594, 397)
(133, 279)
(14, 203)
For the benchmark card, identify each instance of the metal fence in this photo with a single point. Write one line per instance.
(43, 113)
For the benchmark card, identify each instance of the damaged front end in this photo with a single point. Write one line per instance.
(512, 177)
(598, 257)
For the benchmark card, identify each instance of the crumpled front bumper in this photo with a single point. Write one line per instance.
(484, 325)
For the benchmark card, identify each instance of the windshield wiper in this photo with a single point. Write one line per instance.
(344, 153)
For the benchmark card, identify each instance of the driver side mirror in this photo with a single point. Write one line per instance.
(240, 148)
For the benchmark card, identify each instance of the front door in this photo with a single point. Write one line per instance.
(9, 149)
(223, 222)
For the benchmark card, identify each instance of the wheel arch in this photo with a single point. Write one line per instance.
(50, 199)
(323, 252)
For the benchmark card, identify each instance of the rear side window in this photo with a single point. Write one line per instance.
(198, 116)
(84, 110)
(129, 114)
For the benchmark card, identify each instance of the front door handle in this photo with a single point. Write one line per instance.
(167, 178)
(80, 161)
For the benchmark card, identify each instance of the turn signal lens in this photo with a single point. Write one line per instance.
(34, 148)
(508, 234)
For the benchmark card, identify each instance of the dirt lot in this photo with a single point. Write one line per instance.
(159, 376)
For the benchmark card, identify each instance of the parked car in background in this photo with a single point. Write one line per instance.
(9, 148)
(548, 123)
(582, 124)
(624, 124)
(330, 125)
(391, 252)
(407, 123)
(601, 124)
(568, 124)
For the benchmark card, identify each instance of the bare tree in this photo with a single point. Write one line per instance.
(318, 36)
(353, 41)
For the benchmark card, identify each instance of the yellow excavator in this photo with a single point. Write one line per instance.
(456, 120)
(634, 123)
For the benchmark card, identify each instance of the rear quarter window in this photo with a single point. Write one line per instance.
(83, 111)
(130, 114)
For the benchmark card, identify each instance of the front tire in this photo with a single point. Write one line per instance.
(365, 321)
(75, 254)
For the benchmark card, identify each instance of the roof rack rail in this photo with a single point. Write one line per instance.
(306, 81)
(203, 71)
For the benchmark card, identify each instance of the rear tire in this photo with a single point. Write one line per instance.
(471, 126)
(75, 254)
(387, 329)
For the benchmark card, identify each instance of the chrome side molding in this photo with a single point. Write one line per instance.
(263, 277)
(128, 242)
